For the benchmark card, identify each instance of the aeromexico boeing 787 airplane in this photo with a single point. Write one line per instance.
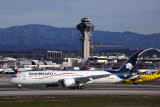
(76, 79)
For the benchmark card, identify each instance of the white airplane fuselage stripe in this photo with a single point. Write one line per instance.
(53, 77)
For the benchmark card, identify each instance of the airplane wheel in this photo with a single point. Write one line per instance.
(81, 87)
(135, 83)
(19, 86)
(78, 87)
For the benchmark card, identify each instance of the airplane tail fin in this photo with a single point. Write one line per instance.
(129, 65)
(86, 65)
(110, 68)
(127, 69)
(16, 68)
(155, 67)
(157, 72)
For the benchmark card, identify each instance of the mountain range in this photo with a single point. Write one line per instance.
(34, 36)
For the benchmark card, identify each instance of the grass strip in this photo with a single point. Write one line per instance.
(81, 101)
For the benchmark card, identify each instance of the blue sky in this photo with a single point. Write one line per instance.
(140, 16)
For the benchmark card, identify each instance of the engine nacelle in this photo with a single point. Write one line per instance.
(68, 82)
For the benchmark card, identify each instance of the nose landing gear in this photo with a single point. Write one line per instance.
(19, 86)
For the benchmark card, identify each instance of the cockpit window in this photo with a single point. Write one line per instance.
(14, 76)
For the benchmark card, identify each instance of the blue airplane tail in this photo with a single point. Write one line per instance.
(128, 67)
(130, 64)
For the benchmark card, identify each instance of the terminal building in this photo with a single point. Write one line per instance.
(54, 54)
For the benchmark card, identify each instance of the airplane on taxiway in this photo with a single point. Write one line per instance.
(7, 70)
(16, 69)
(144, 77)
(86, 65)
(76, 79)
(147, 70)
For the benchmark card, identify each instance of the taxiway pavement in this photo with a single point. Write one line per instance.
(121, 89)
(87, 91)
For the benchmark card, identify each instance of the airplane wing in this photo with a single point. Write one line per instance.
(90, 78)
(134, 77)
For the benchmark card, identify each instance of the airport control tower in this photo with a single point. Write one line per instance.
(85, 27)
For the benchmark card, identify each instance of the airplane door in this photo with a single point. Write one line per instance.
(23, 76)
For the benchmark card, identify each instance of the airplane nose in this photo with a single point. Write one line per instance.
(11, 81)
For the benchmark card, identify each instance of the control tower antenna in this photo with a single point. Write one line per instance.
(85, 27)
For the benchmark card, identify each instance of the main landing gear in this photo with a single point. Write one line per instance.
(135, 82)
(77, 87)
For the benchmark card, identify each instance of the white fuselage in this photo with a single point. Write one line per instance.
(146, 70)
(54, 77)
(9, 70)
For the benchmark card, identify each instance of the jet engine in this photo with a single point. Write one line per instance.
(68, 82)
